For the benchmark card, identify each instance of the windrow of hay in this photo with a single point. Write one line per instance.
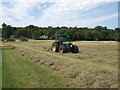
(79, 74)
(95, 51)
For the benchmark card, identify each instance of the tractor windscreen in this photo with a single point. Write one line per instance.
(62, 38)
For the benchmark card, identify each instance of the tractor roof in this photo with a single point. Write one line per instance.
(61, 34)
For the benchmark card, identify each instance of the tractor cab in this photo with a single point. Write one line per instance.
(61, 38)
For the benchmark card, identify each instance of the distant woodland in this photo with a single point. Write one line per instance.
(99, 33)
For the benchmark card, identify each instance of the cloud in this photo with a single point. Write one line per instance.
(17, 14)
(66, 13)
(61, 13)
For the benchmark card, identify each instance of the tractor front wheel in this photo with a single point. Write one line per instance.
(55, 47)
(63, 49)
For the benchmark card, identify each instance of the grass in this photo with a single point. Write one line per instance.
(21, 73)
(96, 42)
(0, 67)
(32, 40)
(66, 58)
(100, 42)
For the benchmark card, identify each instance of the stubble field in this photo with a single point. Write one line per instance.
(95, 66)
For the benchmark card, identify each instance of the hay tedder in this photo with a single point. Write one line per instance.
(62, 44)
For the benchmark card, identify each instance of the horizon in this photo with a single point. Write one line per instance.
(58, 26)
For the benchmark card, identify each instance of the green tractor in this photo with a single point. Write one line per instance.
(62, 44)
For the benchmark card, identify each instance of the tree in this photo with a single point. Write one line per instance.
(117, 33)
(7, 31)
(23, 32)
(37, 34)
(99, 28)
(90, 36)
(75, 33)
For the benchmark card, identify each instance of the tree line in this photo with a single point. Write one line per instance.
(99, 33)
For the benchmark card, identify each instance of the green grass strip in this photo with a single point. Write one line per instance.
(21, 73)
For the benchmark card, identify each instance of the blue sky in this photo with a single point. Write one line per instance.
(39, 9)
(105, 10)
(70, 13)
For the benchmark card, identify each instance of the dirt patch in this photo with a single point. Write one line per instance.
(79, 74)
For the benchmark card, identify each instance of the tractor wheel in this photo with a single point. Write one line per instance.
(55, 47)
(75, 49)
(62, 49)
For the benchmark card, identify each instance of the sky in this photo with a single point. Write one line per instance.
(69, 13)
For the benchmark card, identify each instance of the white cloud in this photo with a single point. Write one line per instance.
(63, 12)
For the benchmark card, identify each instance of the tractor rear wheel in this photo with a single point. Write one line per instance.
(75, 49)
(63, 49)
(55, 47)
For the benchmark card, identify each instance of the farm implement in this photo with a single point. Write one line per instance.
(62, 44)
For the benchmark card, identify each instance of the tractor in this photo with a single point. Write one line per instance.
(62, 44)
